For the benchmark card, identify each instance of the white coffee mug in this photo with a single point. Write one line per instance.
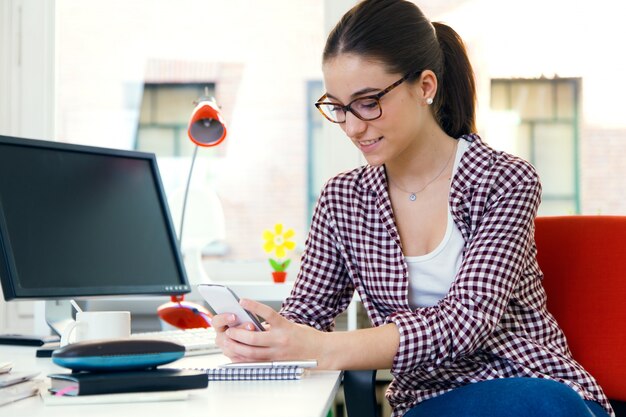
(91, 325)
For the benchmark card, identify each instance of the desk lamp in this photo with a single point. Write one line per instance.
(207, 129)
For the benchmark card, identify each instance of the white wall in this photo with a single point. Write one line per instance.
(27, 68)
(27, 98)
(337, 152)
(535, 38)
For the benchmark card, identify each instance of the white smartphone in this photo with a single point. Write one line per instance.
(222, 300)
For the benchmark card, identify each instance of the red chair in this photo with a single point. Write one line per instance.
(583, 259)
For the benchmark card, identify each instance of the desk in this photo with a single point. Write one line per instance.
(311, 396)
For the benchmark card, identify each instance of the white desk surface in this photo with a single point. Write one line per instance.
(311, 396)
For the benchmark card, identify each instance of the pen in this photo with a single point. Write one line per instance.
(271, 364)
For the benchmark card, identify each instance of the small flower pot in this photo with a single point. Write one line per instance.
(279, 276)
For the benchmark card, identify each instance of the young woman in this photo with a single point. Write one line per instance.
(435, 234)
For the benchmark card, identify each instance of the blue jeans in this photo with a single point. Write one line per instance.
(510, 397)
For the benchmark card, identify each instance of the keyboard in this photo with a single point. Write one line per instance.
(196, 341)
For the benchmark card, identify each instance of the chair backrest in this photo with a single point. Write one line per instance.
(583, 259)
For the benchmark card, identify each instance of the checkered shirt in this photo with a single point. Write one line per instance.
(492, 323)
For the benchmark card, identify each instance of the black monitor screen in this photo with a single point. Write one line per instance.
(83, 221)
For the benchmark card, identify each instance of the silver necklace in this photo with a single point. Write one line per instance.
(413, 194)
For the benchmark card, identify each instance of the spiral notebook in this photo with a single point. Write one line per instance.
(259, 371)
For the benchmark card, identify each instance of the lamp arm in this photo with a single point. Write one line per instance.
(182, 217)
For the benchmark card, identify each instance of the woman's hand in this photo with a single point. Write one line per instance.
(282, 339)
(221, 323)
(285, 340)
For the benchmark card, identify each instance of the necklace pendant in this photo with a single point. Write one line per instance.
(412, 197)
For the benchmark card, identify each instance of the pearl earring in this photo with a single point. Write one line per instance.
(429, 101)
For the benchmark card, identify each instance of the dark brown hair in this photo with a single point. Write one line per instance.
(397, 34)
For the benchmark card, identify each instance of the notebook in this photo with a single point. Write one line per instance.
(254, 374)
(259, 371)
(132, 397)
(90, 383)
(19, 391)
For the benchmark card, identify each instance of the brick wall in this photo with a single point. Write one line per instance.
(602, 170)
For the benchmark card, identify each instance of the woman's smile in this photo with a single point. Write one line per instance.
(368, 145)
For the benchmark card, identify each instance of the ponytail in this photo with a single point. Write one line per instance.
(455, 102)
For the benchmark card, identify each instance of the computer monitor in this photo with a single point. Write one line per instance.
(79, 222)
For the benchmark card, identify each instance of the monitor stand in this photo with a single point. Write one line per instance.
(59, 315)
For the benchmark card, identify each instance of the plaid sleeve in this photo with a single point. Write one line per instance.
(492, 265)
(323, 288)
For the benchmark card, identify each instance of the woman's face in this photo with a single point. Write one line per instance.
(348, 77)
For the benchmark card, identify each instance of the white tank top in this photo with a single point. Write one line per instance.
(431, 275)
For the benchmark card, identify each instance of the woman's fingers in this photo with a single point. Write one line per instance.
(221, 322)
(245, 336)
(239, 351)
(262, 310)
(282, 339)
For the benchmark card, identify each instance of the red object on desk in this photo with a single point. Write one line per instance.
(184, 314)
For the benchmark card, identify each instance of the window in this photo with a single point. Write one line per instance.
(164, 114)
(314, 135)
(128, 75)
(542, 116)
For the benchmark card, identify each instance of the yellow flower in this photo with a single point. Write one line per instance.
(277, 241)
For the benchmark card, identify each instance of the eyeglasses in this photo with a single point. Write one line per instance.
(365, 108)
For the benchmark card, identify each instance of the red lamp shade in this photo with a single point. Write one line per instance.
(206, 126)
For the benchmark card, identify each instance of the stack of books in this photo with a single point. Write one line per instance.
(15, 386)
(92, 383)
(121, 370)
(123, 386)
